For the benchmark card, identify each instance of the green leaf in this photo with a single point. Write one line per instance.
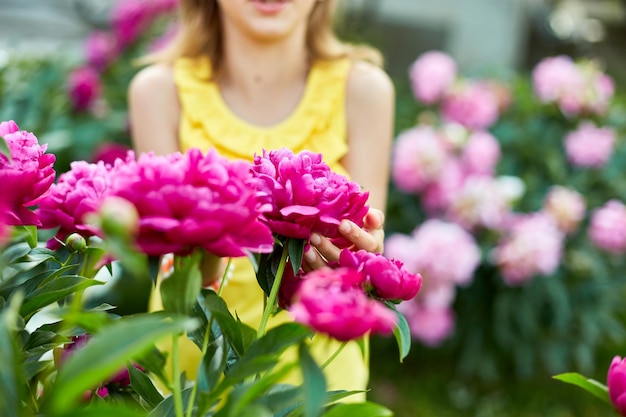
(212, 365)
(314, 383)
(4, 149)
(107, 352)
(279, 338)
(104, 409)
(27, 234)
(143, 386)
(180, 290)
(12, 380)
(402, 334)
(366, 409)
(296, 251)
(166, 407)
(54, 291)
(590, 385)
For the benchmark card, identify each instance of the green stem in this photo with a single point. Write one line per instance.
(176, 392)
(223, 281)
(332, 358)
(271, 302)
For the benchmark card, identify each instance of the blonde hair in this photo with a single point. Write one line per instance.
(200, 33)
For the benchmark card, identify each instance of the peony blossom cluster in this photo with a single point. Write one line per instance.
(446, 255)
(590, 146)
(566, 206)
(577, 88)
(616, 383)
(301, 195)
(27, 175)
(432, 75)
(607, 229)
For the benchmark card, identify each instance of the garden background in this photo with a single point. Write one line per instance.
(62, 77)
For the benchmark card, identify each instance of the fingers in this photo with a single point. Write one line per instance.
(374, 219)
(321, 252)
(369, 240)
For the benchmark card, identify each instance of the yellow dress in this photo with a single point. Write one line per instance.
(318, 124)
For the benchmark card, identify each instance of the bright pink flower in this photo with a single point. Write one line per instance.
(100, 50)
(432, 75)
(332, 301)
(590, 146)
(84, 88)
(532, 246)
(193, 200)
(302, 195)
(566, 206)
(387, 277)
(77, 193)
(554, 76)
(129, 19)
(616, 382)
(419, 157)
(109, 152)
(607, 229)
(27, 177)
(481, 154)
(431, 326)
(5, 228)
(471, 104)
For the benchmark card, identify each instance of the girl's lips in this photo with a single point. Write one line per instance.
(269, 6)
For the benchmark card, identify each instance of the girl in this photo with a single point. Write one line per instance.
(248, 75)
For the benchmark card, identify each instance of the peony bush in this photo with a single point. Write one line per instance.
(508, 197)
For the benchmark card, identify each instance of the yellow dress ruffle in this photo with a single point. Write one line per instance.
(318, 124)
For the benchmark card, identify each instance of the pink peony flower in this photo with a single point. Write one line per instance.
(84, 88)
(388, 279)
(532, 246)
(431, 326)
(440, 251)
(419, 157)
(439, 195)
(481, 154)
(607, 229)
(481, 201)
(590, 146)
(566, 206)
(27, 177)
(100, 50)
(554, 76)
(332, 301)
(110, 152)
(616, 382)
(192, 200)
(471, 104)
(432, 75)
(77, 193)
(301, 195)
(5, 228)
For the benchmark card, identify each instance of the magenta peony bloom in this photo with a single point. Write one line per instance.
(607, 229)
(100, 50)
(472, 104)
(566, 206)
(77, 193)
(419, 157)
(332, 301)
(532, 246)
(129, 18)
(302, 195)
(590, 146)
(388, 279)
(110, 152)
(440, 251)
(616, 382)
(27, 177)
(84, 88)
(432, 75)
(431, 326)
(193, 200)
(5, 228)
(481, 154)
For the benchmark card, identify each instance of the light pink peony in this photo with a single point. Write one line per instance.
(27, 177)
(554, 76)
(616, 383)
(84, 88)
(481, 202)
(387, 277)
(481, 154)
(471, 104)
(301, 195)
(77, 193)
(590, 146)
(192, 200)
(431, 326)
(532, 246)
(439, 195)
(100, 50)
(419, 157)
(566, 206)
(332, 301)
(607, 229)
(432, 75)
(441, 251)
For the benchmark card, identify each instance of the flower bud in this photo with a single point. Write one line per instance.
(118, 217)
(75, 242)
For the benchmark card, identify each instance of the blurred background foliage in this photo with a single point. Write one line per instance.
(569, 322)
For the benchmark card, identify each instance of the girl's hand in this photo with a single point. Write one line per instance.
(370, 238)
